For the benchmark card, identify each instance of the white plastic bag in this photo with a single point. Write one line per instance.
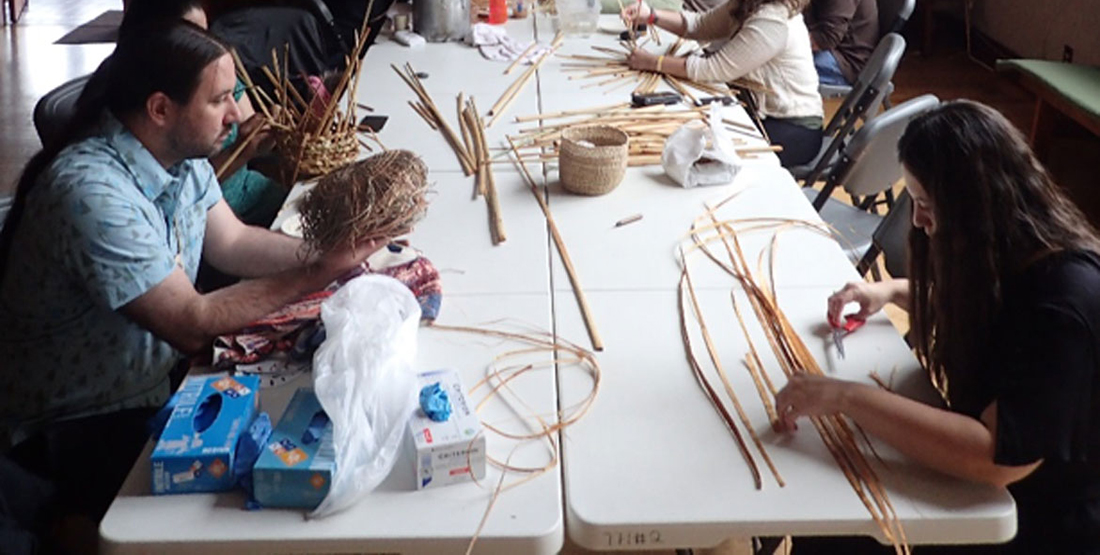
(363, 376)
(699, 154)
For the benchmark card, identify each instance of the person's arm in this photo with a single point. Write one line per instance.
(174, 311)
(946, 441)
(758, 41)
(248, 251)
(831, 22)
(675, 66)
(871, 296)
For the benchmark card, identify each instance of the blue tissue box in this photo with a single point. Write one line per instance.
(296, 466)
(196, 450)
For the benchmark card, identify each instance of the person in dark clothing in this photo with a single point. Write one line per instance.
(843, 34)
(1004, 304)
(314, 35)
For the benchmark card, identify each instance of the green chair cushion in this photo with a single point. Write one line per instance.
(1078, 84)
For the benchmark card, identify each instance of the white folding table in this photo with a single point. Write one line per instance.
(651, 465)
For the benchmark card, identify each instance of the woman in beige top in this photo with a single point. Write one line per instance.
(768, 46)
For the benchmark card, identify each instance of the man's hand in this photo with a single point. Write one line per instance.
(338, 261)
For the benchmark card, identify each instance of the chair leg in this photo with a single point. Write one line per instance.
(867, 262)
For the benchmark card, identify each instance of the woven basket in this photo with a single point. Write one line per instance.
(592, 170)
(320, 155)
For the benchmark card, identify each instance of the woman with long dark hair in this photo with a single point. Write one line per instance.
(767, 49)
(1004, 305)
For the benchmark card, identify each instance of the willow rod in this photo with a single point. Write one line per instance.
(414, 83)
(237, 151)
(582, 300)
(488, 182)
(516, 62)
(512, 91)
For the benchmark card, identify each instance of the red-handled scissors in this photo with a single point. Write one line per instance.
(851, 324)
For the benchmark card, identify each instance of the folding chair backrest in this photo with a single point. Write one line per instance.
(862, 103)
(53, 111)
(892, 235)
(870, 164)
(870, 87)
(893, 15)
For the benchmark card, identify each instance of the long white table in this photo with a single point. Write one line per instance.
(651, 465)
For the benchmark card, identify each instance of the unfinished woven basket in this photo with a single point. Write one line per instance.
(320, 155)
(595, 169)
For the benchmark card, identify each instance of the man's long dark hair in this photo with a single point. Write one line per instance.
(165, 56)
(140, 14)
(996, 210)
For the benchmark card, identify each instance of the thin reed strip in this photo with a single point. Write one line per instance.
(712, 395)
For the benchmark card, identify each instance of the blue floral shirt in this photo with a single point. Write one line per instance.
(104, 224)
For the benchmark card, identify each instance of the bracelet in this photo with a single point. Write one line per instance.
(652, 17)
(660, 59)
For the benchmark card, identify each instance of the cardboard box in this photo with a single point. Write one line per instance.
(196, 450)
(447, 452)
(296, 467)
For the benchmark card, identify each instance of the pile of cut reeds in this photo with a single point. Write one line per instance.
(648, 128)
(611, 67)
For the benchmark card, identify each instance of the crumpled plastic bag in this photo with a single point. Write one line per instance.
(363, 376)
(699, 154)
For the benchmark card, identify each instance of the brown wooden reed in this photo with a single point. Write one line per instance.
(578, 293)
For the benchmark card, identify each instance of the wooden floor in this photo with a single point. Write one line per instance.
(32, 65)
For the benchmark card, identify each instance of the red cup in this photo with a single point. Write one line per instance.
(498, 11)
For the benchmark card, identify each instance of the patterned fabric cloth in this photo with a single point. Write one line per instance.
(105, 224)
(296, 330)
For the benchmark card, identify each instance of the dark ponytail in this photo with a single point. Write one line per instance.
(140, 14)
(164, 56)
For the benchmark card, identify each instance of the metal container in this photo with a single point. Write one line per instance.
(441, 20)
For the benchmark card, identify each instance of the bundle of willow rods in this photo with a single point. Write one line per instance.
(473, 136)
(648, 128)
(469, 144)
(611, 65)
(381, 196)
(837, 433)
(427, 109)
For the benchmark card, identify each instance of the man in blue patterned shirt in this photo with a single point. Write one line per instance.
(99, 256)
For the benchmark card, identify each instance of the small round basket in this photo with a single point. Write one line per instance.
(595, 169)
(320, 154)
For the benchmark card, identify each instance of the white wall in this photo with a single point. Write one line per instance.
(1039, 28)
